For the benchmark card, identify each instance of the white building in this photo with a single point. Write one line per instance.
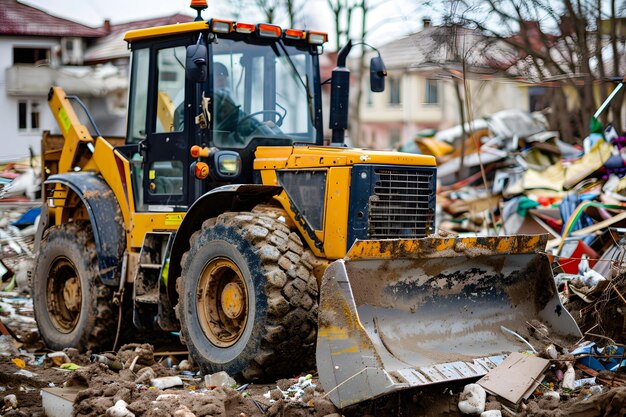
(37, 51)
(424, 70)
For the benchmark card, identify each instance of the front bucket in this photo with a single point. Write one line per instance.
(396, 314)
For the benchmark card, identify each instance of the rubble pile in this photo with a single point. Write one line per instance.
(134, 381)
(586, 379)
(524, 179)
(20, 181)
(18, 223)
(19, 214)
(553, 378)
(512, 176)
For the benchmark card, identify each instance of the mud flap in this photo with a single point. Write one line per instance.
(396, 314)
(102, 208)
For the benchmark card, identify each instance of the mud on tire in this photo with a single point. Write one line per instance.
(72, 306)
(279, 334)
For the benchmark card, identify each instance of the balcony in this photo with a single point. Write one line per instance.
(29, 80)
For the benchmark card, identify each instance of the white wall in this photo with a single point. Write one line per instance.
(14, 144)
(412, 114)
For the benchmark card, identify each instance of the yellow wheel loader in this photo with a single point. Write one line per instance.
(222, 216)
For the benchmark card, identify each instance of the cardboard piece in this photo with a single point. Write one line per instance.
(59, 402)
(551, 178)
(588, 164)
(515, 378)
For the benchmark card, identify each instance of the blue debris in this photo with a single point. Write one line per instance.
(28, 218)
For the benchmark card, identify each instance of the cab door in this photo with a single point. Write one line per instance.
(166, 148)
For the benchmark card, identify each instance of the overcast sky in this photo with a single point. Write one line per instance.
(390, 20)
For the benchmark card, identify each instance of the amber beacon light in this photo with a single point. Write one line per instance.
(198, 6)
(201, 170)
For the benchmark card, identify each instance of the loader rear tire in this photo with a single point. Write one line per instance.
(248, 299)
(72, 306)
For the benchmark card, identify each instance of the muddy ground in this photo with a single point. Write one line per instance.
(25, 370)
(101, 387)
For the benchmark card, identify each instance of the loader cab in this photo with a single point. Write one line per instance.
(262, 88)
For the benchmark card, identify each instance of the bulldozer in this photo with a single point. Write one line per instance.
(223, 215)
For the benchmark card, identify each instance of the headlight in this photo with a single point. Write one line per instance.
(228, 164)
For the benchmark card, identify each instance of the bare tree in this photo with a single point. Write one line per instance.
(343, 11)
(293, 9)
(570, 44)
(357, 132)
(461, 55)
(287, 12)
(269, 8)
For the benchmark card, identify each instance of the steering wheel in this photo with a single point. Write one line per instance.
(279, 121)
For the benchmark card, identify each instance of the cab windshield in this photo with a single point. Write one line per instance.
(261, 91)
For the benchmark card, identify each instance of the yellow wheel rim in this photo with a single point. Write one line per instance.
(64, 296)
(222, 302)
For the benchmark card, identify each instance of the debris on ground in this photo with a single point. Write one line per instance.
(129, 382)
(20, 181)
(472, 400)
(515, 378)
(133, 381)
(524, 182)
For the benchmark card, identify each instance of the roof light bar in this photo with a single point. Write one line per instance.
(269, 31)
(317, 38)
(294, 34)
(244, 27)
(222, 26)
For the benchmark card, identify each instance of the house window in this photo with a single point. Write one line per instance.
(28, 116)
(431, 95)
(30, 55)
(72, 51)
(394, 90)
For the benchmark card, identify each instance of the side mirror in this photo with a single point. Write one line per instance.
(378, 72)
(196, 62)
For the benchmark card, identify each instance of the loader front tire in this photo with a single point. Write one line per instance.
(72, 306)
(248, 299)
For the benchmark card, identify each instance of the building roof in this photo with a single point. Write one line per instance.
(112, 46)
(442, 46)
(157, 21)
(19, 19)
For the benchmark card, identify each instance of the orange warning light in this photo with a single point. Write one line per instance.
(198, 152)
(198, 4)
(201, 171)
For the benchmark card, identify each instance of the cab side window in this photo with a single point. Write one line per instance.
(170, 90)
(138, 105)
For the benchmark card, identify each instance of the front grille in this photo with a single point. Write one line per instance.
(400, 205)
